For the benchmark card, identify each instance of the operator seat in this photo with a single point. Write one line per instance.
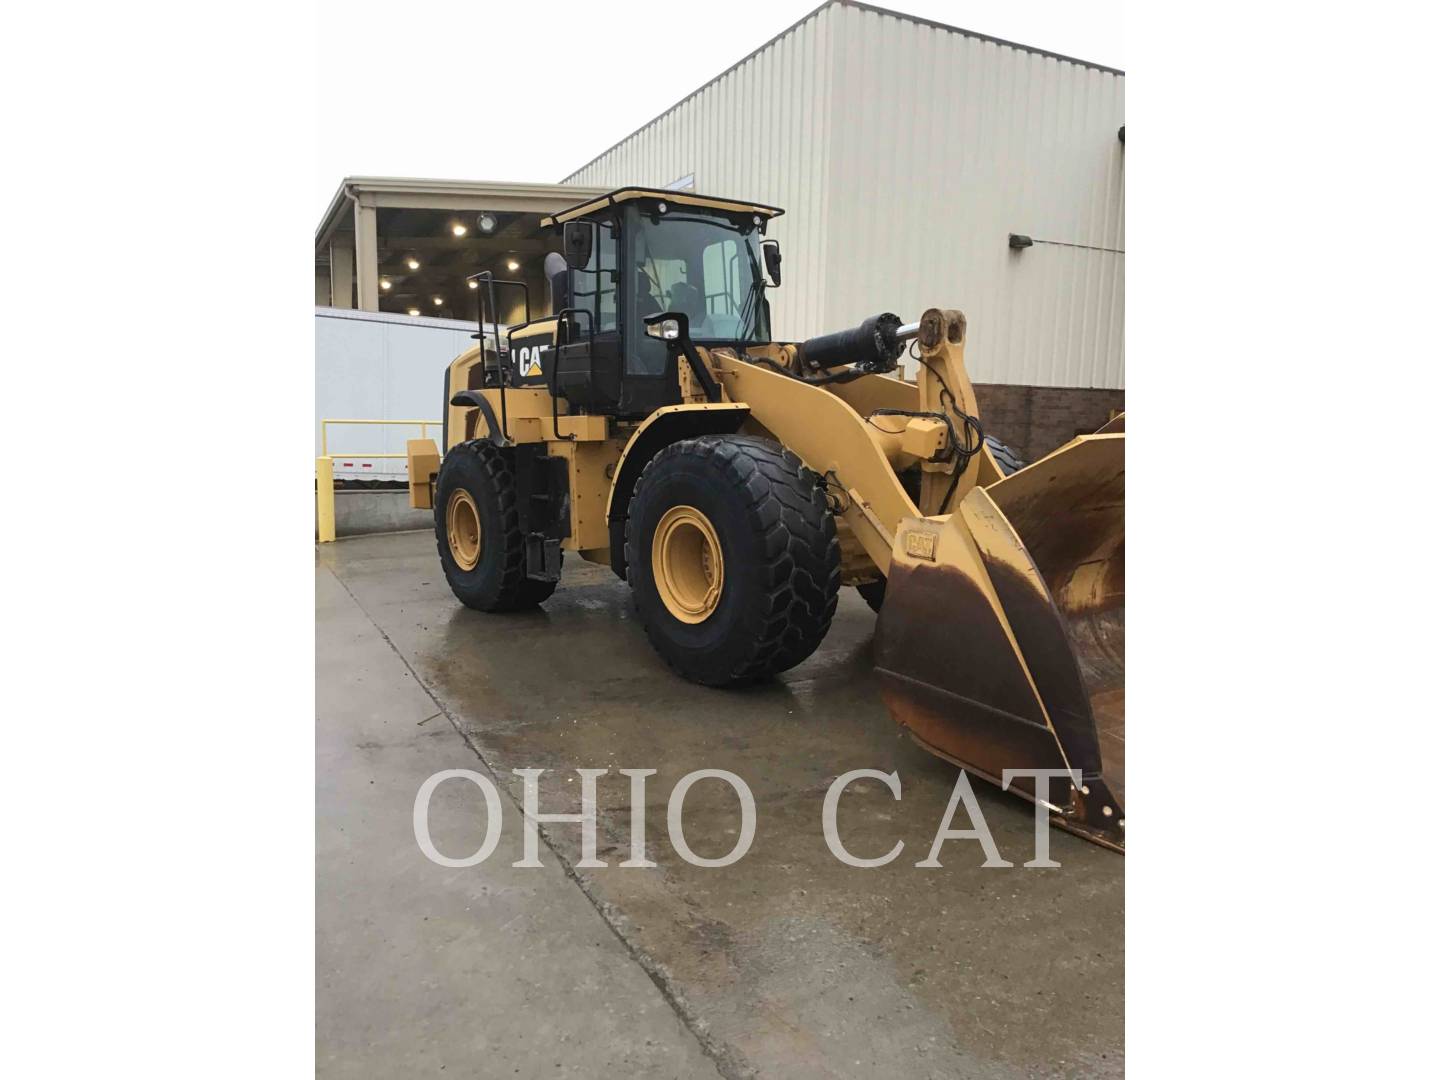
(686, 298)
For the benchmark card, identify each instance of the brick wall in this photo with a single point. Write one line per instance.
(1034, 420)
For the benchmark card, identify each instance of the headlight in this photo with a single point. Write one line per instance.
(669, 329)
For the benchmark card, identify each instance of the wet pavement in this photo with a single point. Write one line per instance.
(787, 963)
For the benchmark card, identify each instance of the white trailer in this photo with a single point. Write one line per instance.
(377, 366)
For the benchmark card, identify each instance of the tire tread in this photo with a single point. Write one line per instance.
(1008, 460)
(517, 591)
(800, 547)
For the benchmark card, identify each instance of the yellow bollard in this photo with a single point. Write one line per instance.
(325, 499)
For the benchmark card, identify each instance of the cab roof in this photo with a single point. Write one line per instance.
(680, 198)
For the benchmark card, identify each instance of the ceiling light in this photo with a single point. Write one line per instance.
(512, 266)
(473, 283)
(458, 229)
(437, 300)
(414, 311)
(413, 263)
(385, 283)
(487, 223)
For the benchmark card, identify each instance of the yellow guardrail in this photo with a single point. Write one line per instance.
(325, 469)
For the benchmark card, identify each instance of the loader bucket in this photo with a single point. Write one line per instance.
(1001, 640)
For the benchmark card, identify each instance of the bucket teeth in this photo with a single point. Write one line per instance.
(1001, 640)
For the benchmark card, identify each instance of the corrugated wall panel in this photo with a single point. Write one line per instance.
(905, 154)
(953, 142)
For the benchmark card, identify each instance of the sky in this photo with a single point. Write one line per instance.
(530, 91)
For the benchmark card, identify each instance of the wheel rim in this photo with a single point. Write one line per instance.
(689, 567)
(462, 528)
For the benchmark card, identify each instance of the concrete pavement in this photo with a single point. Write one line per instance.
(787, 964)
(485, 971)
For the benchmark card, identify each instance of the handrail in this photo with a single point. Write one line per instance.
(324, 441)
(325, 468)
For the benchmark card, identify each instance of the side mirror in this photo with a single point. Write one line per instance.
(668, 326)
(771, 251)
(579, 242)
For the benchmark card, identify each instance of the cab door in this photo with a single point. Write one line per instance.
(589, 364)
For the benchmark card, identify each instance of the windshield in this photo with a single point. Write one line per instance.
(705, 267)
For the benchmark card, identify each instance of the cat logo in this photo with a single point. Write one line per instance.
(529, 358)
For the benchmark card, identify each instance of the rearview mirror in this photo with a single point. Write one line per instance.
(579, 242)
(771, 251)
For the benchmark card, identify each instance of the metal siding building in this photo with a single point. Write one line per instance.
(905, 153)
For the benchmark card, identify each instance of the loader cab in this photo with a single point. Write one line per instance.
(636, 254)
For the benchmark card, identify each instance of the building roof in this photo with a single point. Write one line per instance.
(610, 198)
(859, 7)
(445, 194)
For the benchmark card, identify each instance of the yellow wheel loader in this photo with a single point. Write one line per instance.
(648, 422)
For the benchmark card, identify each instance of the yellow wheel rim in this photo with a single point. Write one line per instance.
(688, 566)
(462, 528)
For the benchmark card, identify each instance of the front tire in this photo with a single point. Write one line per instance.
(477, 529)
(732, 558)
(1007, 459)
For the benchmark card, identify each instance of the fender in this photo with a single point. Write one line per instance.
(476, 399)
(661, 428)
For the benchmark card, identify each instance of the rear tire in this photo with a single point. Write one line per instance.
(485, 571)
(767, 546)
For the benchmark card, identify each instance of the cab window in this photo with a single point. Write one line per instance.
(596, 285)
(707, 268)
